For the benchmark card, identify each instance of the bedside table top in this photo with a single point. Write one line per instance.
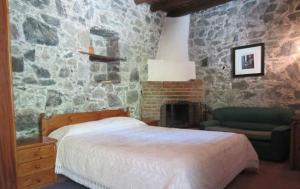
(34, 142)
(151, 122)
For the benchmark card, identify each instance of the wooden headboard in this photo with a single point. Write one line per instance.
(57, 121)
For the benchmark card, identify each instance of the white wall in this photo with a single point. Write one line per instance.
(173, 43)
(172, 62)
(161, 70)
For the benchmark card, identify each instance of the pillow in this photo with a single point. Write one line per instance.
(112, 123)
(121, 121)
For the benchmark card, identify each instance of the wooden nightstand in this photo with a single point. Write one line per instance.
(295, 143)
(35, 159)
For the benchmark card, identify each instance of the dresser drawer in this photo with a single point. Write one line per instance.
(37, 180)
(31, 154)
(29, 168)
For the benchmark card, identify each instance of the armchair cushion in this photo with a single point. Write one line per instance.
(255, 135)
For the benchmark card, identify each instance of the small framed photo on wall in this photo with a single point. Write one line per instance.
(248, 60)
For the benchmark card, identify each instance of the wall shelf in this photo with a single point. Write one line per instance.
(107, 59)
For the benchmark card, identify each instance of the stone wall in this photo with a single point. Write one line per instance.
(241, 22)
(157, 93)
(49, 74)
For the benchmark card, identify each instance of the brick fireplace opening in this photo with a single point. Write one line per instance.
(181, 114)
(159, 93)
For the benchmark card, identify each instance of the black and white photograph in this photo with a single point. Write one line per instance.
(248, 60)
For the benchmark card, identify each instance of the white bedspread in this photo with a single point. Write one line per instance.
(123, 153)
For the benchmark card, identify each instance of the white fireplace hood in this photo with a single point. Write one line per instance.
(172, 61)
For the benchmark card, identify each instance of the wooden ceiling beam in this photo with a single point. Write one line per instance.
(169, 5)
(195, 6)
(137, 2)
(176, 8)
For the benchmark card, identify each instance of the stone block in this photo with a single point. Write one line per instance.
(30, 55)
(54, 98)
(17, 64)
(41, 72)
(51, 20)
(134, 75)
(39, 33)
(114, 100)
(132, 96)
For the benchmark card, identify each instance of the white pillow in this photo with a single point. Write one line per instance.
(112, 123)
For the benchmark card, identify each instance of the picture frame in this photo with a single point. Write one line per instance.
(248, 60)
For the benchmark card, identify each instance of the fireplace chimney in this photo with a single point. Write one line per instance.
(172, 62)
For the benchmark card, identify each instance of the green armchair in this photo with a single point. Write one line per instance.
(268, 129)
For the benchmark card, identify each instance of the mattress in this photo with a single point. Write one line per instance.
(125, 153)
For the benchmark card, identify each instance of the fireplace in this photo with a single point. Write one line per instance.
(182, 114)
(157, 93)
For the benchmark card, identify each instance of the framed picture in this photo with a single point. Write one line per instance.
(248, 60)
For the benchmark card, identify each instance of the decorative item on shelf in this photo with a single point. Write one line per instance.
(91, 48)
(248, 60)
(107, 59)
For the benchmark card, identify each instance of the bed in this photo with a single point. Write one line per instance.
(109, 150)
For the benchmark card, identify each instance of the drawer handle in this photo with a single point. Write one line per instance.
(37, 166)
(38, 180)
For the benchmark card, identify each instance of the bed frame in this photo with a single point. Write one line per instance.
(57, 121)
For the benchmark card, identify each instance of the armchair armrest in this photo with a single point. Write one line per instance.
(209, 123)
(281, 133)
(282, 128)
(280, 141)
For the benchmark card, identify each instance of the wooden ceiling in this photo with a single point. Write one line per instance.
(175, 8)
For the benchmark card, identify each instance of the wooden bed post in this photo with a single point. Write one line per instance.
(128, 111)
(43, 124)
(7, 125)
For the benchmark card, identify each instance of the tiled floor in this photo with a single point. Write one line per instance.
(271, 175)
(65, 183)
